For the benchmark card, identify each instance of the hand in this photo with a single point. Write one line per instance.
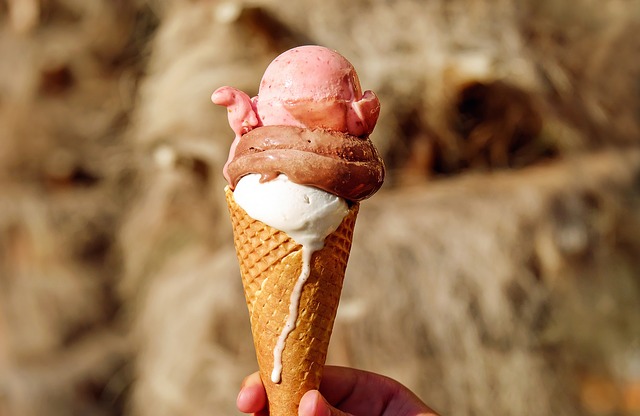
(352, 392)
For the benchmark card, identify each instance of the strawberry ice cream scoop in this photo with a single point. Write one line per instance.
(308, 86)
(312, 86)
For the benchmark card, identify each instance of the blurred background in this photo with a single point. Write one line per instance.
(496, 272)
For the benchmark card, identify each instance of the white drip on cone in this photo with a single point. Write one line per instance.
(294, 304)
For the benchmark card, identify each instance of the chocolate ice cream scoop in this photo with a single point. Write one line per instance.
(344, 165)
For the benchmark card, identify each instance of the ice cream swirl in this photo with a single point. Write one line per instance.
(344, 165)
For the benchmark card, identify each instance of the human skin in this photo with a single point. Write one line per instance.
(352, 392)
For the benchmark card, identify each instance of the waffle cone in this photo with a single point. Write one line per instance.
(270, 264)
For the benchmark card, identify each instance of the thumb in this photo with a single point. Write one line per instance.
(313, 404)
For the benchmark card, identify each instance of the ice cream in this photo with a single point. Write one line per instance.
(308, 87)
(336, 162)
(298, 167)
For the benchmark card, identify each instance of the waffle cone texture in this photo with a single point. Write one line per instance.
(270, 264)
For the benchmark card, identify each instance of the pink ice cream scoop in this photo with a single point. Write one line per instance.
(307, 87)
(312, 86)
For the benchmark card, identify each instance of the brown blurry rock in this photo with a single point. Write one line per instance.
(65, 174)
(512, 283)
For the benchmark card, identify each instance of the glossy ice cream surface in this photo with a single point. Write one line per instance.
(312, 86)
(309, 87)
(338, 163)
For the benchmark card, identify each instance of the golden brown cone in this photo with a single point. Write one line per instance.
(270, 264)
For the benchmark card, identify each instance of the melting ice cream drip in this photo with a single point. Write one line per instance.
(294, 305)
(307, 215)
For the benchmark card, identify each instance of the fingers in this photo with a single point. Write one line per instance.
(361, 392)
(252, 397)
(340, 383)
(354, 392)
(313, 404)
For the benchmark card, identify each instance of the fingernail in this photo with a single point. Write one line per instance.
(318, 406)
(240, 397)
(307, 405)
(322, 407)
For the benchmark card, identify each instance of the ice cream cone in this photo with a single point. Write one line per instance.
(270, 264)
